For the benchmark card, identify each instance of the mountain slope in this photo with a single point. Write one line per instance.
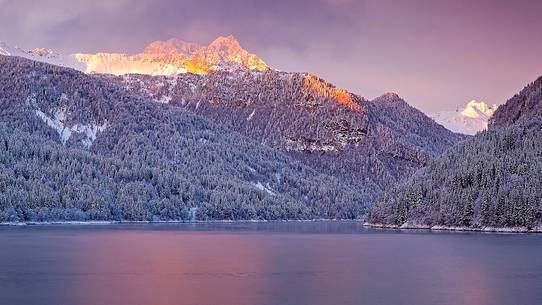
(364, 145)
(221, 173)
(471, 119)
(491, 180)
(370, 144)
(521, 107)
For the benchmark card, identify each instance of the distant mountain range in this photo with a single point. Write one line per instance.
(239, 139)
(169, 57)
(469, 120)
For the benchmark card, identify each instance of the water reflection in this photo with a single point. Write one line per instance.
(260, 264)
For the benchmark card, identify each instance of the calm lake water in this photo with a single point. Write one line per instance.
(256, 264)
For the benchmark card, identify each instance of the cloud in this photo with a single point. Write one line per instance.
(35, 17)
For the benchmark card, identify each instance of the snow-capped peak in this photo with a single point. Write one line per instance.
(172, 46)
(226, 43)
(476, 109)
(168, 57)
(176, 56)
(468, 120)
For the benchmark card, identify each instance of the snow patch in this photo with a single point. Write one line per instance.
(166, 99)
(266, 188)
(90, 130)
(308, 145)
(58, 123)
(251, 115)
(278, 176)
(192, 214)
(413, 226)
(285, 76)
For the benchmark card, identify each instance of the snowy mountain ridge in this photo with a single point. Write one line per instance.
(469, 120)
(42, 55)
(170, 57)
(175, 56)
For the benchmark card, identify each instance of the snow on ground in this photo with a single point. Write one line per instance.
(266, 188)
(251, 115)
(278, 176)
(193, 214)
(90, 130)
(410, 226)
(164, 99)
(471, 119)
(173, 222)
(58, 123)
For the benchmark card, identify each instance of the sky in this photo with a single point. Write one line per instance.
(437, 55)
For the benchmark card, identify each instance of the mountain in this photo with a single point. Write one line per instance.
(469, 120)
(521, 107)
(368, 144)
(175, 56)
(491, 181)
(43, 55)
(76, 144)
(353, 148)
(169, 57)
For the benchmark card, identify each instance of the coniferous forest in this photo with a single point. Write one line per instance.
(491, 180)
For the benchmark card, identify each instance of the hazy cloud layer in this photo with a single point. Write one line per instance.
(436, 54)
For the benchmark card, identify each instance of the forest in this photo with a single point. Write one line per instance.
(149, 162)
(491, 180)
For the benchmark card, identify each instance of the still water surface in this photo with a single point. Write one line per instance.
(273, 263)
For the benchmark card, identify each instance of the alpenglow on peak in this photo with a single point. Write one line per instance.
(170, 57)
(175, 56)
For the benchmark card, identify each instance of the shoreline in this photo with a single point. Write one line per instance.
(404, 227)
(172, 222)
(438, 228)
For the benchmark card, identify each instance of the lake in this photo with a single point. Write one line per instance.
(265, 263)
